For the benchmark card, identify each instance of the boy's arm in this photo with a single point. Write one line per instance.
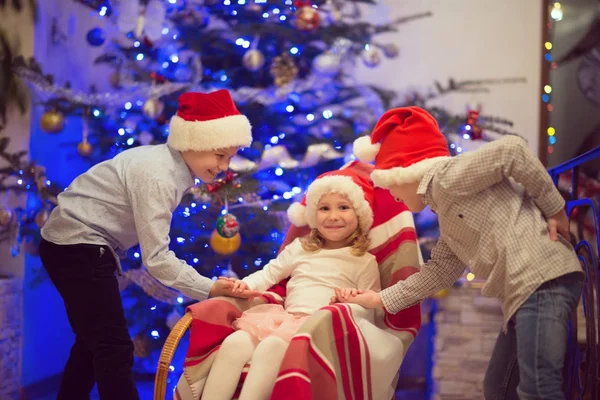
(152, 203)
(275, 271)
(440, 272)
(508, 157)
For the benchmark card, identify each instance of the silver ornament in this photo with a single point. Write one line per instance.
(327, 64)
(371, 56)
(390, 50)
(253, 60)
(153, 108)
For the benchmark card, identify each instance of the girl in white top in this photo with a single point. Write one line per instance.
(338, 209)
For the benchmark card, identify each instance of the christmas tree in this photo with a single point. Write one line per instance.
(289, 67)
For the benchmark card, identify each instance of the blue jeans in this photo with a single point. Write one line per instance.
(527, 361)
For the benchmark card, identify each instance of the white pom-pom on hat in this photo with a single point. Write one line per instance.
(364, 150)
(297, 214)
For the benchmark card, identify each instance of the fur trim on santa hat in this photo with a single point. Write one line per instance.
(231, 131)
(297, 214)
(301, 215)
(364, 150)
(386, 178)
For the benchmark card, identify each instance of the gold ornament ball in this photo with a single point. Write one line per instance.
(253, 7)
(41, 217)
(253, 60)
(52, 121)
(441, 294)
(307, 18)
(153, 108)
(84, 149)
(224, 246)
(6, 217)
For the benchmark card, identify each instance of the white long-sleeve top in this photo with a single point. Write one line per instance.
(315, 275)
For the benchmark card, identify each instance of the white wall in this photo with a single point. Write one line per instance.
(465, 40)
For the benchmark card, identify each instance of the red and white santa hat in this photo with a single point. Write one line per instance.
(356, 188)
(208, 121)
(405, 143)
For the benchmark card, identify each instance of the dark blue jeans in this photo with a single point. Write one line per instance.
(527, 361)
(102, 354)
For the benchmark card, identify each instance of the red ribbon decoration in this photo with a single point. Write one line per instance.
(215, 187)
(475, 132)
(302, 3)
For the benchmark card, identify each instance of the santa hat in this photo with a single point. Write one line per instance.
(405, 144)
(357, 189)
(208, 121)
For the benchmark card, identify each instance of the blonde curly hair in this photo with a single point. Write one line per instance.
(359, 241)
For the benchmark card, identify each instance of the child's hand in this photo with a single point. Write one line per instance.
(343, 294)
(238, 285)
(559, 224)
(365, 298)
(233, 288)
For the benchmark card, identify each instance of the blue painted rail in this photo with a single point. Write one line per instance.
(582, 369)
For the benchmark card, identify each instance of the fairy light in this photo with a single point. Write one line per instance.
(555, 14)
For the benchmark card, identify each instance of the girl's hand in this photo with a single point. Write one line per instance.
(344, 294)
(238, 285)
(232, 287)
(365, 298)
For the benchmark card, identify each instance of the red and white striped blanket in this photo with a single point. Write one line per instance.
(343, 351)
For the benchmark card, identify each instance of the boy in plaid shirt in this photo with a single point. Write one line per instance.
(513, 238)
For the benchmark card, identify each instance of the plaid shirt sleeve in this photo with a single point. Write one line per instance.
(440, 272)
(493, 162)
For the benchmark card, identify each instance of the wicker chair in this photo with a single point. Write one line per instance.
(167, 353)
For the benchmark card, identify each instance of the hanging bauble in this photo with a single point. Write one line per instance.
(141, 345)
(253, 60)
(41, 217)
(391, 50)
(307, 18)
(85, 149)
(327, 64)
(52, 121)
(223, 245)
(96, 37)
(441, 294)
(283, 70)
(228, 226)
(371, 56)
(153, 108)
(6, 217)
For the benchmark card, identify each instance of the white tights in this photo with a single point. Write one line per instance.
(237, 349)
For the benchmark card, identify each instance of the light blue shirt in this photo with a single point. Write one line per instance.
(127, 200)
